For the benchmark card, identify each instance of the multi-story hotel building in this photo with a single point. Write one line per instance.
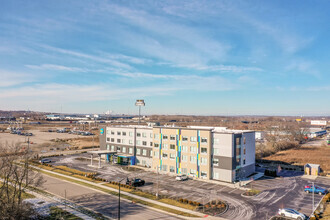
(200, 152)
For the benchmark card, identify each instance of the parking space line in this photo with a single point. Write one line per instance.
(232, 191)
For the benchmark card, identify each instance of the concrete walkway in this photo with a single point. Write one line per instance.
(201, 215)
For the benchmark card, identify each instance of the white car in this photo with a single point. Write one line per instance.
(291, 213)
(181, 177)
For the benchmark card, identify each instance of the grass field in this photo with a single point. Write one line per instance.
(305, 154)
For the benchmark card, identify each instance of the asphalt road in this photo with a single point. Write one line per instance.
(100, 202)
(286, 192)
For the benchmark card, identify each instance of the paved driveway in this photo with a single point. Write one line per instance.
(100, 202)
(277, 192)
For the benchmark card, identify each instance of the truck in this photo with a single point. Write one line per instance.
(316, 189)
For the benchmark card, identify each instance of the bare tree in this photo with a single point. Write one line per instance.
(15, 178)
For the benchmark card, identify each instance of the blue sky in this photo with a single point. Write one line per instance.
(182, 57)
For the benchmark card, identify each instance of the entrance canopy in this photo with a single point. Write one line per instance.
(101, 152)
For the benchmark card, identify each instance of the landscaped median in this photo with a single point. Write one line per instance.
(132, 194)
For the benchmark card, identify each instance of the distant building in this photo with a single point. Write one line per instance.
(318, 122)
(259, 135)
(200, 152)
(312, 169)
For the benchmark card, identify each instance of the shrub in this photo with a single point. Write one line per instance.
(185, 201)
(190, 202)
(181, 200)
(207, 206)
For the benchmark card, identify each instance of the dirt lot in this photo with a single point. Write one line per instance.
(305, 154)
(45, 141)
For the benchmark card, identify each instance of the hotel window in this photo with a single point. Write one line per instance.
(172, 156)
(203, 160)
(156, 136)
(204, 140)
(118, 133)
(192, 172)
(204, 174)
(108, 132)
(192, 149)
(108, 139)
(144, 143)
(118, 149)
(130, 141)
(144, 162)
(112, 132)
(118, 141)
(165, 155)
(150, 153)
(184, 158)
(124, 133)
(172, 146)
(165, 146)
(144, 134)
(172, 137)
(204, 150)
(130, 150)
(138, 151)
(172, 169)
(244, 140)
(184, 170)
(150, 144)
(192, 159)
(144, 152)
(164, 167)
(131, 134)
(123, 141)
(238, 141)
(124, 150)
(244, 151)
(150, 135)
(216, 141)
(165, 137)
(112, 140)
(108, 147)
(138, 134)
(156, 145)
(112, 148)
(138, 142)
(184, 138)
(193, 139)
(215, 161)
(244, 161)
(216, 151)
(215, 175)
(184, 148)
(156, 153)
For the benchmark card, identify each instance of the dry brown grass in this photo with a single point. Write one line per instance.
(306, 154)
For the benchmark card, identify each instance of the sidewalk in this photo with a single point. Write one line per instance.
(201, 215)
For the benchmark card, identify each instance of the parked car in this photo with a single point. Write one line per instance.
(135, 182)
(181, 177)
(45, 160)
(291, 213)
(317, 189)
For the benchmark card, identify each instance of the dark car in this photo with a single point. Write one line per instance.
(135, 182)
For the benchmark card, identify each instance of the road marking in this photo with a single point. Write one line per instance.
(232, 191)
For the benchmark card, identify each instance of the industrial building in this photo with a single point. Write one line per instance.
(199, 152)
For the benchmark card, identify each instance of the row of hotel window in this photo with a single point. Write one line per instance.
(131, 134)
(130, 150)
(183, 171)
(156, 136)
(184, 158)
(123, 141)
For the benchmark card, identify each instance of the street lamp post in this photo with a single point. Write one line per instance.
(119, 199)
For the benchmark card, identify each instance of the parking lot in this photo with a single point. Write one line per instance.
(283, 192)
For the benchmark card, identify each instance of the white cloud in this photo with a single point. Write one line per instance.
(100, 59)
(56, 67)
(9, 78)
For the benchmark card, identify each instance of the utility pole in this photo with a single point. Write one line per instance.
(313, 198)
(119, 200)
(27, 163)
(157, 182)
